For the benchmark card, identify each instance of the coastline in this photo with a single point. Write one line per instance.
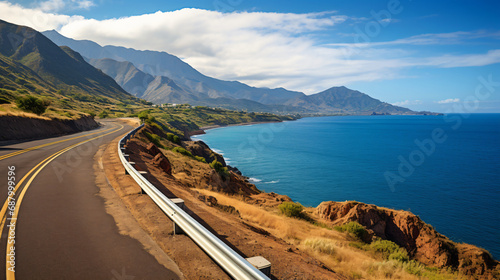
(257, 211)
(203, 129)
(217, 126)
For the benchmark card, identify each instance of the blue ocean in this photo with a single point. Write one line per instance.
(446, 169)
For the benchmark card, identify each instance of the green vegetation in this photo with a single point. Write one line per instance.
(173, 138)
(291, 209)
(104, 114)
(395, 256)
(354, 229)
(32, 104)
(143, 116)
(389, 250)
(155, 139)
(200, 159)
(187, 153)
(217, 166)
(182, 151)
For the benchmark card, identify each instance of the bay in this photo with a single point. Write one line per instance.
(446, 169)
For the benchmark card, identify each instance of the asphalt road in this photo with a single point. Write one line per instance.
(56, 226)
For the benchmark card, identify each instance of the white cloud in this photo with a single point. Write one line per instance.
(83, 4)
(407, 102)
(469, 60)
(261, 49)
(34, 18)
(52, 5)
(447, 101)
(58, 5)
(452, 38)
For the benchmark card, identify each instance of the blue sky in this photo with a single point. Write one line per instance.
(425, 55)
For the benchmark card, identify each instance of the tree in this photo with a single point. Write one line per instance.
(32, 104)
(104, 114)
(144, 115)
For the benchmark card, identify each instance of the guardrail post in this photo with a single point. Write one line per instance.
(144, 174)
(261, 264)
(127, 157)
(180, 203)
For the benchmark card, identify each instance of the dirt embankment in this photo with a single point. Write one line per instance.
(245, 218)
(177, 175)
(407, 230)
(21, 128)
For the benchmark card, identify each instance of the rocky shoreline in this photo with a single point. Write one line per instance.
(407, 230)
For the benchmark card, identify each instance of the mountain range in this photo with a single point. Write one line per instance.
(160, 77)
(32, 63)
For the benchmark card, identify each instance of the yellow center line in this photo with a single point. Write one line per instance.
(47, 144)
(10, 271)
(10, 197)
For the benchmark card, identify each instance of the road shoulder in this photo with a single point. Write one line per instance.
(124, 220)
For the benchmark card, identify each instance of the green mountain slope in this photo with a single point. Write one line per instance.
(58, 68)
(15, 76)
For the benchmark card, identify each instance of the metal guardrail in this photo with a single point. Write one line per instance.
(234, 264)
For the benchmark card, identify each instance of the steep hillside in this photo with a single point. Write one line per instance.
(61, 68)
(164, 64)
(15, 76)
(157, 89)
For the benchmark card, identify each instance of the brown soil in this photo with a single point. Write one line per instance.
(287, 261)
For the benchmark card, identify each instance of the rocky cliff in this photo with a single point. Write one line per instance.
(421, 240)
(21, 128)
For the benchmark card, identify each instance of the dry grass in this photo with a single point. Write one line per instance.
(328, 246)
(8, 111)
(51, 113)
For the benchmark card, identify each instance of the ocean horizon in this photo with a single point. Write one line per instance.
(444, 169)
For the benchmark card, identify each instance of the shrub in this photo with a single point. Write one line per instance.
(150, 120)
(144, 115)
(324, 246)
(353, 228)
(32, 104)
(400, 255)
(291, 209)
(155, 139)
(104, 114)
(217, 166)
(200, 159)
(173, 138)
(390, 250)
(413, 267)
(182, 151)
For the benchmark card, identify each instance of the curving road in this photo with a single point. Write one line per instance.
(54, 225)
